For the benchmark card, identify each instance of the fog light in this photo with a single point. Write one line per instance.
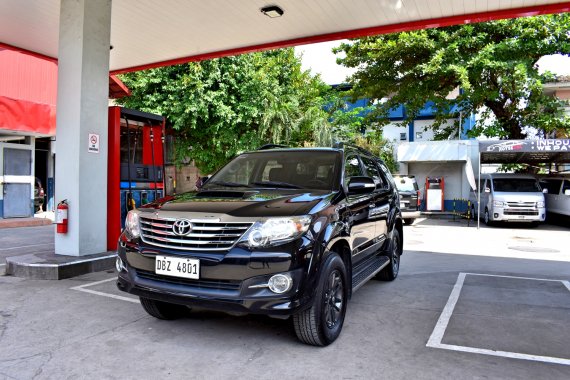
(496, 215)
(119, 265)
(280, 283)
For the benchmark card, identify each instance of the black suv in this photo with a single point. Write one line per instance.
(281, 232)
(409, 197)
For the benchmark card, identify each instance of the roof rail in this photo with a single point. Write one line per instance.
(271, 146)
(342, 145)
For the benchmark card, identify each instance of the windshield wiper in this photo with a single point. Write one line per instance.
(285, 185)
(226, 184)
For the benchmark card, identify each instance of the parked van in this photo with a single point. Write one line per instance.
(511, 198)
(558, 195)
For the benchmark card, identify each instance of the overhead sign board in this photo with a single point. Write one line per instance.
(525, 151)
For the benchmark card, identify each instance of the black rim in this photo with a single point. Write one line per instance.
(334, 299)
(396, 255)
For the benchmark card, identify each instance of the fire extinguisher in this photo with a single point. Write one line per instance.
(61, 218)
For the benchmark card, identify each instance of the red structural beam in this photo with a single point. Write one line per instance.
(25, 51)
(363, 32)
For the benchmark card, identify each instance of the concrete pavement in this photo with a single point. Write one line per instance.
(510, 301)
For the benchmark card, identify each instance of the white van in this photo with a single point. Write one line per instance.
(511, 198)
(558, 196)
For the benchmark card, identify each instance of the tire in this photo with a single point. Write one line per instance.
(390, 272)
(486, 218)
(321, 324)
(409, 221)
(162, 310)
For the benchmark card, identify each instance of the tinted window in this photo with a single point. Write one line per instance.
(352, 168)
(373, 171)
(300, 168)
(553, 185)
(521, 185)
(387, 173)
(406, 184)
(566, 187)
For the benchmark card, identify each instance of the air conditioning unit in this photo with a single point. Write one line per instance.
(403, 136)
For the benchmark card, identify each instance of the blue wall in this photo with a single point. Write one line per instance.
(426, 113)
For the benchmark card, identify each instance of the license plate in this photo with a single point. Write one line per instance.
(402, 205)
(178, 267)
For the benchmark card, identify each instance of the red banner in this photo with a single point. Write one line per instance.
(27, 117)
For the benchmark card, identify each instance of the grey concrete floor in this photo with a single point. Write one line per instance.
(85, 328)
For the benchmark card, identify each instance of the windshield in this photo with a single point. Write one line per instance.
(514, 185)
(406, 184)
(301, 169)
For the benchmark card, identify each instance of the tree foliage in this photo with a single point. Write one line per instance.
(494, 64)
(221, 107)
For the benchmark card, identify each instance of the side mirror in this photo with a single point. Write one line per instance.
(487, 190)
(545, 191)
(361, 185)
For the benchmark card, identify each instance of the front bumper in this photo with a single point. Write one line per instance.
(505, 214)
(230, 282)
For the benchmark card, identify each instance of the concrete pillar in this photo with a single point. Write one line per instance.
(82, 98)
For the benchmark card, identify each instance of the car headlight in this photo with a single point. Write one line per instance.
(276, 231)
(498, 203)
(539, 204)
(132, 228)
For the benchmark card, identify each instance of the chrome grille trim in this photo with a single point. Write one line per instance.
(206, 235)
(522, 204)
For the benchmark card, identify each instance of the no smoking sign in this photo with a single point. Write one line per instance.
(93, 143)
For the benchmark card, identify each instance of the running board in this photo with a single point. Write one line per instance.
(369, 269)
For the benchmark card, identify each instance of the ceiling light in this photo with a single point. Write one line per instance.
(272, 11)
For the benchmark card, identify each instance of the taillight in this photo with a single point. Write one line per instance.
(419, 202)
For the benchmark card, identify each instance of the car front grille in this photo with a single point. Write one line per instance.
(520, 212)
(522, 204)
(520, 208)
(204, 236)
(198, 284)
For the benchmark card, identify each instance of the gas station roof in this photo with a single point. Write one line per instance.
(150, 33)
(525, 151)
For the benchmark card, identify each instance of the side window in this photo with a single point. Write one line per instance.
(553, 186)
(351, 168)
(373, 172)
(387, 174)
(566, 187)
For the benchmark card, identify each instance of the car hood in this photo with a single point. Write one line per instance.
(254, 203)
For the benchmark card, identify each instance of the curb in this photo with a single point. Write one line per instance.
(48, 266)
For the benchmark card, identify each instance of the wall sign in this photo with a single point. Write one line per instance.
(93, 143)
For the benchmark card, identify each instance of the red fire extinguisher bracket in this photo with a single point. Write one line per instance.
(62, 215)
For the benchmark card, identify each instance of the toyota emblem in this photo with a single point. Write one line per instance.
(182, 227)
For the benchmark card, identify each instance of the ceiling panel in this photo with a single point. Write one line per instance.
(147, 32)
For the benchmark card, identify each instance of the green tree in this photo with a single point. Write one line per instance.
(352, 126)
(494, 64)
(221, 107)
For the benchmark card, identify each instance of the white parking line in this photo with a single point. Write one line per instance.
(25, 246)
(437, 335)
(82, 288)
